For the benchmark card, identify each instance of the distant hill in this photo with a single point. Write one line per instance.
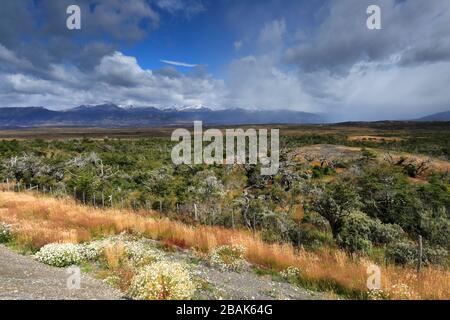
(110, 115)
(442, 116)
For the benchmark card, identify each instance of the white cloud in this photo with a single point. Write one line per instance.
(10, 57)
(273, 32)
(117, 78)
(256, 82)
(179, 64)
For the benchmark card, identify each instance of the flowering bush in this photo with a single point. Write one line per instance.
(61, 255)
(376, 294)
(228, 258)
(141, 254)
(291, 273)
(163, 281)
(137, 252)
(5, 232)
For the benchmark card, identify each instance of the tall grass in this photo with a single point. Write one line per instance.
(40, 220)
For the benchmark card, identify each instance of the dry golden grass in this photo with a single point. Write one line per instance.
(374, 139)
(114, 255)
(40, 220)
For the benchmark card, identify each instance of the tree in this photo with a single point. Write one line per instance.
(335, 203)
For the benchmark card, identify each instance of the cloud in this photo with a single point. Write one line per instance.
(256, 82)
(117, 78)
(273, 32)
(179, 64)
(324, 60)
(189, 8)
(12, 60)
(238, 45)
(410, 28)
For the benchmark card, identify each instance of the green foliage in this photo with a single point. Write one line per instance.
(5, 233)
(336, 202)
(406, 253)
(387, 195)
(310, 236)
(355, 233)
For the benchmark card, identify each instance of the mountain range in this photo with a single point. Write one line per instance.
(442, 116)
(111, 115)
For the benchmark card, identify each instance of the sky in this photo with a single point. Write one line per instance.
(312, 56)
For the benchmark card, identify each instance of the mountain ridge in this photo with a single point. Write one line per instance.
(440, 116)
(111, 115)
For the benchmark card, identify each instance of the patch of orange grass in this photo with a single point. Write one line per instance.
(41, 220)
(114, 255)
(374, 138)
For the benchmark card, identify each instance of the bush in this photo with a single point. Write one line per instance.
(5, 233)
(291, 274)
(228, 258)
(359, 232)
(138, 252)
(317, 220)
(310, 236)
(163, 281)
(385, 233)
(435, 227)
(61, 255)
(335, 203)
(355, 233)
(406, 253)
(402, 253)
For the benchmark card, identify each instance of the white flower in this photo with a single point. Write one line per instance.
(5, 232)
(61, 255)
(290, 273)
(163, 281)
(228, 258)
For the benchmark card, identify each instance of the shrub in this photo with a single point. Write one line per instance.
(355, 232)
(91, 251)
(435, 255)
(406, 253)
(376, 294)
(60, 255)
(435, 227)
(163, 281)
(5, 233)
(317, 220)
(310, 236)
(402, 253)
(141, 254)
(335, 203)
(382, 233)
(228, 258)
(291, 274)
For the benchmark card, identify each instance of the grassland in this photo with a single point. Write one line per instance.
(41, 220)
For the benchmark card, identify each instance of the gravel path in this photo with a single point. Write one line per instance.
(22, 278)
(245, 285)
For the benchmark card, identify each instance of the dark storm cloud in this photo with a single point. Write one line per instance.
(36, 30)
(415, 30)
